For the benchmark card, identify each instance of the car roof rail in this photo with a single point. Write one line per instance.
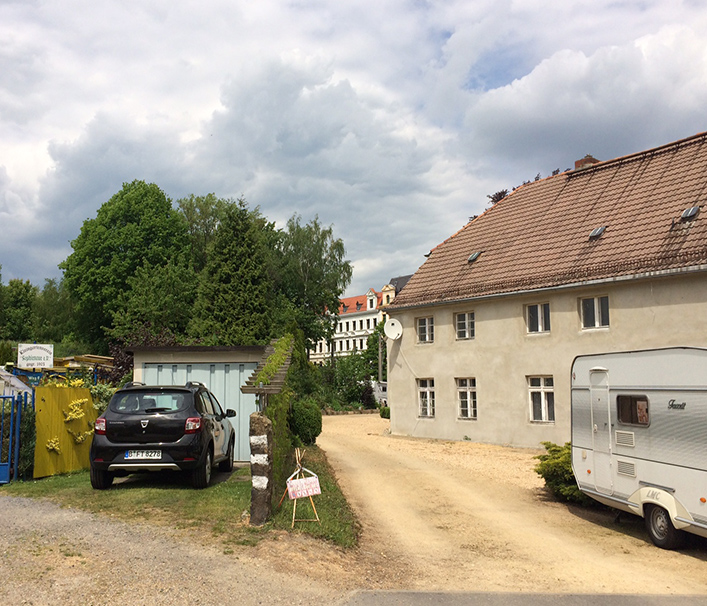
(134, 384)
(194, 384)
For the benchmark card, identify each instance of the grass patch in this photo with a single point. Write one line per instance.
(169, 499)
(338, 522)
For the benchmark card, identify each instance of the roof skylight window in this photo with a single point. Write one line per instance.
(474, 256)
(689, 213)
(596, 233)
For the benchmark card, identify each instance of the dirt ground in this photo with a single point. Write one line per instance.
(471, 517)
(454, 516)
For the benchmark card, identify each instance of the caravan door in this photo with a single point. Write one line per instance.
(601, 430)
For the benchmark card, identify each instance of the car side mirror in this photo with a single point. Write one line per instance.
(230, 412)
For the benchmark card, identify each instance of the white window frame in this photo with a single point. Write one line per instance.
(543, 318)
(466, 398)
(426, 398)
(541, 391)
(596, 306)
(425, 328)
(467, 320)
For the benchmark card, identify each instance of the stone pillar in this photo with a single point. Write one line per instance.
(261, 469)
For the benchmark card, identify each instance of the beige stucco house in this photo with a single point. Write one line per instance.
(611, 256)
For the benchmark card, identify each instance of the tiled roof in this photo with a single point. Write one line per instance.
(538, 236)
(354, 304)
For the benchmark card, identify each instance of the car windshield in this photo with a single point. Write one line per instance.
(147, 401)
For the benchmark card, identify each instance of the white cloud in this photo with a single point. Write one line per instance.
(393, 121)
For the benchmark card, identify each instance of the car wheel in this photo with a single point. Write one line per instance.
(201, 476)
(660, 528)
(227, 463)
(100, 478)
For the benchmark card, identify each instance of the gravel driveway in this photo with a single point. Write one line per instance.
(435, 516)
(62, 557)
(472, 517)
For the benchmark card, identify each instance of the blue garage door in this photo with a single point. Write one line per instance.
(224, 381)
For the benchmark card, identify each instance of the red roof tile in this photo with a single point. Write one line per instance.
(538, 236)
(357, 303)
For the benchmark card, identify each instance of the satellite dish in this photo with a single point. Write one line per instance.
(393, 329)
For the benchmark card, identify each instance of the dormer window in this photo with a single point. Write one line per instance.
(474, 256)
(597, 233)
(358, 305)
(689, 214)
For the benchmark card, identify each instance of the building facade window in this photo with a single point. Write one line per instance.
(466, 398)
(464, 323)
(426, 397)
(425, 330)
(541, 391)
(595, 312)
(537, 317)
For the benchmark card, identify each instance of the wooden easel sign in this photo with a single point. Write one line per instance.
(300, 486)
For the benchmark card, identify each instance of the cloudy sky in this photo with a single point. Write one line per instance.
(390, 120)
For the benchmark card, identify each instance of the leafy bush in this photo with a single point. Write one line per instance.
(385, 412)
(555, 468)
(306, 420)
(28, 438)
(277, 411)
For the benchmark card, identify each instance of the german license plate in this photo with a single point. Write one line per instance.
(143, 454)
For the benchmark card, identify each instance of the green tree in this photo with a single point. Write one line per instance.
(235, 297)
(203, 215)
(159, 298)
(312, 273)
(372, 352)
(136, 226)
(53, 313)
(18, 300)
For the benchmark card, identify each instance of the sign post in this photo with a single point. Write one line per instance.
(300, 486)
(34, 355)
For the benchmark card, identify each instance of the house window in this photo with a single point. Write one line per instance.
(538, 317)
(387, 299)
(425, 330)
(542, 399)
(347, 327)
(370, 303)
(360, 341)
(633, 410)
(466, 397)
(426, 397)
(340, 326)
(368, 323)
(374, 322)
(465, 325)
(595, 312)
(360, 324)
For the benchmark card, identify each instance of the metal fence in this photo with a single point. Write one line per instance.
(11, 409)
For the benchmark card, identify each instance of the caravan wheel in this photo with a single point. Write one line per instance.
(660, 528)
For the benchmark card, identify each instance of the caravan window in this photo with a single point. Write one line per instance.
(633, 410)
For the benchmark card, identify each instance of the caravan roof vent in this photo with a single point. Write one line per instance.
(596, 233)
(689, 213)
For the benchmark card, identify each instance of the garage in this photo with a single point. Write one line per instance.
(224, 370)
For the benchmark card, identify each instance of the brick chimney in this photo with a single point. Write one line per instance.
(586, 162)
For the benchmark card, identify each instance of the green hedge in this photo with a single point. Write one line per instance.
(306, 420)
(555, 467)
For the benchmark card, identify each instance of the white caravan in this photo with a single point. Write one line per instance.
(639, 436)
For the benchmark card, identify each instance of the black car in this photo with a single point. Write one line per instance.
(156, 428)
